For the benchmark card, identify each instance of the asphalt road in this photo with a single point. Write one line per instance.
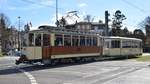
(102, 72)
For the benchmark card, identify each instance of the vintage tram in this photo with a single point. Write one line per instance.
(51, 44)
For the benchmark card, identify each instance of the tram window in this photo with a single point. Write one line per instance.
(89, 41)
(134, 44)
(115, 44)
(46, 40)
(31, 39)
(38, 40)
(100, 42)
(82, 41)
(75, 40)
(58, 40)
(126, 44)
(94, 41)
(67, 40)
(140, 44)
(106, 44)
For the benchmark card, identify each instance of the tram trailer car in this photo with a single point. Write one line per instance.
(122, 46)
(49, 45)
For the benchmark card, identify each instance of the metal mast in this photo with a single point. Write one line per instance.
(19, 34)
(57, 13)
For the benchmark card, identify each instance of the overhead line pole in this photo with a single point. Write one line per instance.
(106, 23)
(57, 13)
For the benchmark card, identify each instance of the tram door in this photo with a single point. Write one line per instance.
(106, 47)
(115, 47)
(46, 49)
(34, 48)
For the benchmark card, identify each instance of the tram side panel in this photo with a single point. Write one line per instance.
(74, 51)
(34, 53)
(58, 52)
(111, 47)
(46, 52)
(131, 47)
(121, 46)
(106, 45)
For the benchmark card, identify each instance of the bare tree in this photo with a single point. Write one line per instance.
(27, 27)
(138, 33)
(4, 24)
(88, 18)
(145, 24)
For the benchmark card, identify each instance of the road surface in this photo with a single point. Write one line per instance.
(101, 72)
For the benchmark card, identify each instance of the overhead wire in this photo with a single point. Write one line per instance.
(135, 6)
(36, 3)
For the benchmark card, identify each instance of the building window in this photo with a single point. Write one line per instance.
(78, 27)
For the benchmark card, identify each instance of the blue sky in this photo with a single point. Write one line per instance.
(43, 11)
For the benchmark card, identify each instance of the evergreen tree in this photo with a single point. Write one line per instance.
(117, 23)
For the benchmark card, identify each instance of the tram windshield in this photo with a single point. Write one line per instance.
(38, 39)
(31, 39)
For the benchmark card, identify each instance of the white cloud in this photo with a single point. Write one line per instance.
(26, 4)
(82, 5)
(46, 2)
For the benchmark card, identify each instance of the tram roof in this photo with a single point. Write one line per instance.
(125, 38)
(61, 30)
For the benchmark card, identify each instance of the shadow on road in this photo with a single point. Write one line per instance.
(36, 67)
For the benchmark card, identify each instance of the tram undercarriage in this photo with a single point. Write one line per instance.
(24, 60)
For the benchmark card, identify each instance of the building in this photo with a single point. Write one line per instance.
(99, 28)
(88, 26)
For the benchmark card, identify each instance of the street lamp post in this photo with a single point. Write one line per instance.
(19, 39)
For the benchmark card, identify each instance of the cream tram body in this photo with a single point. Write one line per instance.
(50, 44)
(45, 45)
(122, 46)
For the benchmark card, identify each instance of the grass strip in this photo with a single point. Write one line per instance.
(143, 58)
